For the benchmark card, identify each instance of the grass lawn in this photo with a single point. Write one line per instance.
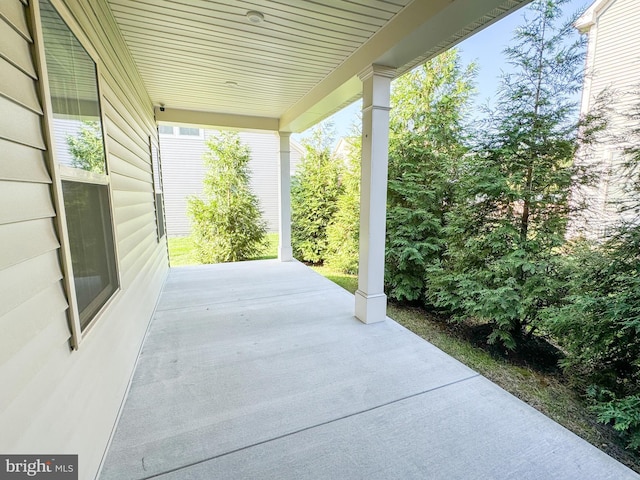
(181, 250)
(545, 391)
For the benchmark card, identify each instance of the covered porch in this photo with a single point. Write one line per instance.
(260, 370)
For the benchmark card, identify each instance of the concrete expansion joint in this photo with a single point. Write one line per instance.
(311, 427)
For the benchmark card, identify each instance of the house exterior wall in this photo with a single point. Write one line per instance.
(183, 171)
(613, 65)
(53, 399)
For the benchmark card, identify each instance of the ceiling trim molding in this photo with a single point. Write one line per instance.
(173, 116)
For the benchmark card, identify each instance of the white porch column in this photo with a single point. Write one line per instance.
(371, 302)
(285, 253)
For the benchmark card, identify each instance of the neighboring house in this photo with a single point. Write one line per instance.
(342, 149)
(183, 170)
(83, 252)
(613, 66)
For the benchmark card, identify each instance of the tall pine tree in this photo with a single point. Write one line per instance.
(512, 203)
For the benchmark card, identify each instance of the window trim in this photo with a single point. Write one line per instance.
(186, 135)
(60, 172)
(72, 174)
(157, 192)
(164, 134)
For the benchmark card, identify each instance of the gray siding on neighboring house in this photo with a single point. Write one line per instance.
(613, 64)
(54, 400)
(183, 171)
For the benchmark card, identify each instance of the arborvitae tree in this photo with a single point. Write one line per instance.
(314, 194)
(343, 231)
(425, 151)
(227, 223)
(510, 218)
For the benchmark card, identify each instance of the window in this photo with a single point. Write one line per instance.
(191, 132)
(156, 170)
(79, 151)
(165, 130)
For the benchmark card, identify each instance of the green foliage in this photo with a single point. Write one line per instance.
(343, 231)
(87, 149)
(623, 414)
(507, 227)
(314, 193)
(227, 223)
(599, 327)
(425, 151)
(599, 323)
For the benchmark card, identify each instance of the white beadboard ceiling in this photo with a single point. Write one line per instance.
(295, 68)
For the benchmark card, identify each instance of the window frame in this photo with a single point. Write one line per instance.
(60, 173)
(158, 190)
(188, 135)
(166, 134)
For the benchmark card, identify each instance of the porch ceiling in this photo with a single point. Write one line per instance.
(296, 67)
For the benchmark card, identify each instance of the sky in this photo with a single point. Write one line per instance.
(485, 48)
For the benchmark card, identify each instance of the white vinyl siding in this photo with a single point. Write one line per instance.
(54, 399)
(616, 60)
(613, 66)
(183, 171)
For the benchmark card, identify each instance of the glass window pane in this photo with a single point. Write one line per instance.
(91, 244)
(193, 132)
(165, 130)
(74, 96)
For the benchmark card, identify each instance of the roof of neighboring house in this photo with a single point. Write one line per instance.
(588, 18)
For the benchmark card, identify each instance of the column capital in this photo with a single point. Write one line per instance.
(285, 141)
(374, 69)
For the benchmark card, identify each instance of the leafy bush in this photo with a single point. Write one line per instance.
(227, 223)
(314, 195)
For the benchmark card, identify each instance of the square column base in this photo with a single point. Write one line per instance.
(285, 254)
(371, 308)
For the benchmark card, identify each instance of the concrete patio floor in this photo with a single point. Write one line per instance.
(259, 370)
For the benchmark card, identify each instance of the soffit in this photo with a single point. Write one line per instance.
(187, 50)
(300, 64)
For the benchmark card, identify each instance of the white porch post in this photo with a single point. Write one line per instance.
(285, 253)
(371, 302)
